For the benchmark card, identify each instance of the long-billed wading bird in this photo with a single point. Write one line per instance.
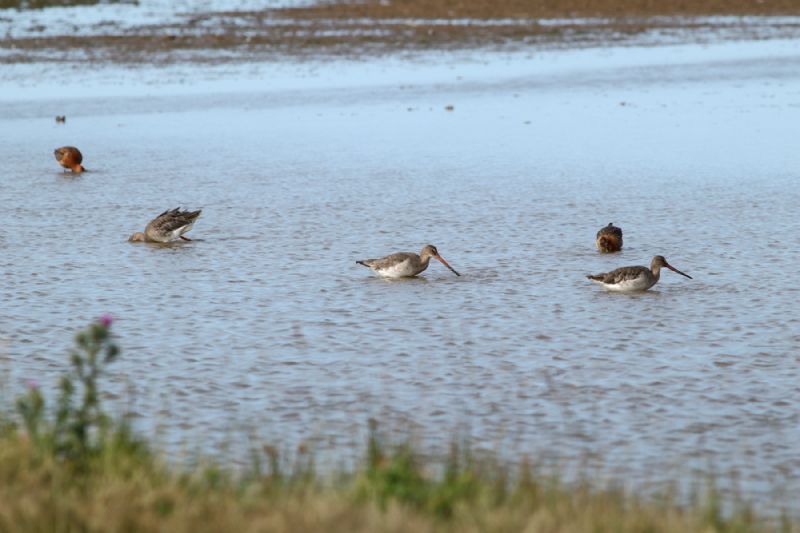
(70, 158)
(167, 227)
(634, 278)
(609, 239)
(405, 264)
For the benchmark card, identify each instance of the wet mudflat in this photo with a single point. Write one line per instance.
(264, 328)
(158, 32)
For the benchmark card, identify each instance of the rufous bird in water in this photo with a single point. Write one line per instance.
(70, 158)
(609, 239)
(634, 278)
(167, 227)
(405, 264)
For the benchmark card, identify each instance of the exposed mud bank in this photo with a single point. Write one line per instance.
(373, 28)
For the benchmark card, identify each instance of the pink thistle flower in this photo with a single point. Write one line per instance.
(106, 320)
(32, 384)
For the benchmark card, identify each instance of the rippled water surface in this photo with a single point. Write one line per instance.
(264, 323)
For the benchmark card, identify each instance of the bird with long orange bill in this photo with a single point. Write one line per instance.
(405, 264)
(634, 278)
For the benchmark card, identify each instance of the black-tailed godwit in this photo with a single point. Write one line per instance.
(167, 227)
(70, 158)
(634, 278)
(609, 238)
(405, 264)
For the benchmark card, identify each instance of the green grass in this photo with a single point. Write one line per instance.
(73, 468)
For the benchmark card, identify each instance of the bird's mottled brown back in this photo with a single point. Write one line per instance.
(622, 274)
(611, 229)
(609, 238)
(391, 260)
(168, 221)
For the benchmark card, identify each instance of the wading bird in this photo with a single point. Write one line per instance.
(167, 227)
(70, 158)
(634, 278)
(405, 264)
(609, 239)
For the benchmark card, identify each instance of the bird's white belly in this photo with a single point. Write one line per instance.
(641, 283)
(400, 270)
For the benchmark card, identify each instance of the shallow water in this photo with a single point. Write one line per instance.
(265, 326)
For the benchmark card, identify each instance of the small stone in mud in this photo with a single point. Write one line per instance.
(61, 118)
(449, 108)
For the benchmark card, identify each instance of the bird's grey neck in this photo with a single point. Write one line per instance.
(656, 270)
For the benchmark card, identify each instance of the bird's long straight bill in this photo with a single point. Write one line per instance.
(441, 259)
(678, 271)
